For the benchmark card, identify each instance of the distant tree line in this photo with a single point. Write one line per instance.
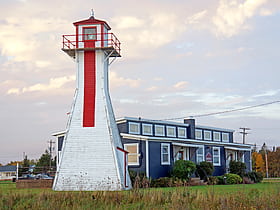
(43, 165)
(266, 161)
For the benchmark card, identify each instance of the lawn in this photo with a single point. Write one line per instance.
(253, 196)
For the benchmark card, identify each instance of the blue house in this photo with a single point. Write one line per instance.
(154, 145)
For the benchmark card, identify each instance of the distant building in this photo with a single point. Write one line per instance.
(8, 172)
(155, 145)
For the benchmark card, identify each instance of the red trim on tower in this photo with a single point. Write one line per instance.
(102, 36)
(89, 89)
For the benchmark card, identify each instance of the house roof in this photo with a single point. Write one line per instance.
(7, 168)
(124, 119)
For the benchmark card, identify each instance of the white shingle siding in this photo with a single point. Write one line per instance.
(89, 159)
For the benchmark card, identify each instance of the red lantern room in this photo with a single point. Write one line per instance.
(91, 34)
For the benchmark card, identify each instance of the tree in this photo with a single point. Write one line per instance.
(260, 165)
(273, 162)
(44, 162)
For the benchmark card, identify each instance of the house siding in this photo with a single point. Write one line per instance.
(158, 170)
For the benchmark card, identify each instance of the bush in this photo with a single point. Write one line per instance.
(213, 180)
(204, 170)
(254, 176)
(168, 182)
(237, 167)
(247, 180)
(233, 179)
(139, 180)
(183, 169)
(221, 180)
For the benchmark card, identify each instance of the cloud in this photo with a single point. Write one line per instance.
(149, 33)
(197, 17)
(266, 12)
(267, 93)
(180, 85)
(25, 38)
(54, 84)
(118, 81)
(127, 22)
(231, 16)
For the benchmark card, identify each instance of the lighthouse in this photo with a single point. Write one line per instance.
(92, 156)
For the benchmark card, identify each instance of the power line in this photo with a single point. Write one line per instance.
(226, 111)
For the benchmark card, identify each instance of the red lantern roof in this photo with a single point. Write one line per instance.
(92, 20)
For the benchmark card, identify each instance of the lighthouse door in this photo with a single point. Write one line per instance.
(89, 36)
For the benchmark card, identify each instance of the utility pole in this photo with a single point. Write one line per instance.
(266, 161)
(51, 149)
(244, 133)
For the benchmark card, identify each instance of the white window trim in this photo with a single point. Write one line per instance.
(206, 131)
(223, 137)
(159, 134)
(174, 130)
(203, 155)
(219, 133)
(219, 156)
(185, 130)
(200, 131)
(149, 125)
(161, 154)
(129, 128)
(137, 152)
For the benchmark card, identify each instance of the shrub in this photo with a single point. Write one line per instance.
(162, 182)
(168, 182)
(254, 176)
(233, 179)
(221, 179)
(139, 180)
(237, 167)
(183, 169)
(212, 180)
(204, 170)
(247, 180)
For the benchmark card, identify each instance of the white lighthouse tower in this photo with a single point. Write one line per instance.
(92, 156)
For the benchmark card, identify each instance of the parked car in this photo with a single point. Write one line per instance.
(43, 176)
(27, 176)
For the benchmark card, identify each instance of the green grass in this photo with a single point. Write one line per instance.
(251, 196)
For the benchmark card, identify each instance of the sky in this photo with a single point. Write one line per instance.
(179, 59)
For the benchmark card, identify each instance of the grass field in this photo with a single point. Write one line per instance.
(254, 196)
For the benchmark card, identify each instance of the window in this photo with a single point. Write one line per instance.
(207, 135)
(240, 156)
(225, 137)
(159, 130)
(89, 33)
(200, 154)
(198, 134)
(134, 128)
(171, 131)
(147, 129)
(216, 136)
(216, 156)
(133, 155)
(165, 154)
(182, 133)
